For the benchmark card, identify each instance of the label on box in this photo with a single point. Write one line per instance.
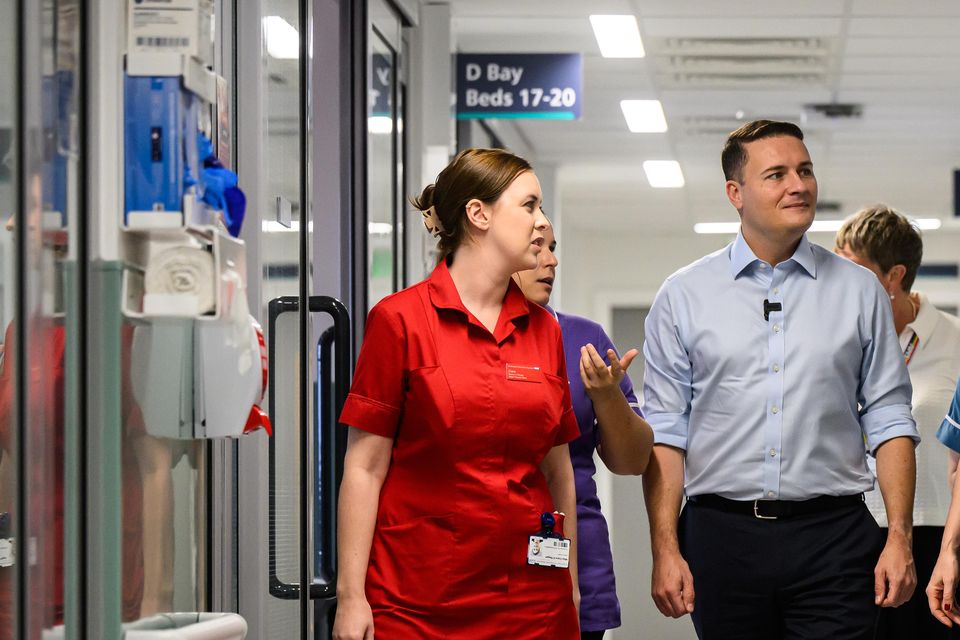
(224, 130)
(162, 26)
(7, 552)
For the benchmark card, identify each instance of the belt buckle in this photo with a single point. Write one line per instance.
(756, 512)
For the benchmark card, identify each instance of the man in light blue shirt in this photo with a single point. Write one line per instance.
(768, 365)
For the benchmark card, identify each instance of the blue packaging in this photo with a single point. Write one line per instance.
(156, 112)
(56, 92)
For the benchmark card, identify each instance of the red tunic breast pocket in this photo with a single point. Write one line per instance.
(534, 416)
(429, 400)
(554, 393)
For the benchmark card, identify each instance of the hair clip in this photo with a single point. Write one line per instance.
(432, 221)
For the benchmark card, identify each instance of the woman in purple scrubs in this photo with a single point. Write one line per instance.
(610, 423)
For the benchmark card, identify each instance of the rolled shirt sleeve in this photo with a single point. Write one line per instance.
(667, 380)
(949, 431)
(885, 390)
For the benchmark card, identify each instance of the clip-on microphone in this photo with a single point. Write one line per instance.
(770, 306)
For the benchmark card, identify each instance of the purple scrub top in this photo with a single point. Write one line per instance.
(599, 607)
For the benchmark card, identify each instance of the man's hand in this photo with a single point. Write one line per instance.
(672, 587)
(943, 588)
(895, 577)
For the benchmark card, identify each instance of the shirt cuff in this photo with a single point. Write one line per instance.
(370, 415)
(887, 423)
(670, 429)
(636, 408)
(949, 434)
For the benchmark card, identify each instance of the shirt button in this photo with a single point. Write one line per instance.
(763, 265)
(773, 453)
(775, 410)
(776, 368)
(771, 493)
(776, 290)
(776, 328)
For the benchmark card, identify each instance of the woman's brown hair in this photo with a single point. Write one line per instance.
(886, 237)
(482, 174)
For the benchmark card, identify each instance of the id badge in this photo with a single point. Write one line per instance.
(549, 552)
(548, 548)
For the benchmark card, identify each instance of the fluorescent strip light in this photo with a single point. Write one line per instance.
(663, 174)
(283, 41)
(928, 224)
(272, 226)
(379, 228)
(818, 226)
(379, 124)
(644, 116)
(716, 227)
(617, 36)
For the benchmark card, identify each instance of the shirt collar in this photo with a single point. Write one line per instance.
(444, 295)
(927, 318)
(742, 256)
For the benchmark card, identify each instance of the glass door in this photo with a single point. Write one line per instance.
(39, 203)
(296, 115)
(10, 585)
(386, 187)
(283, 205)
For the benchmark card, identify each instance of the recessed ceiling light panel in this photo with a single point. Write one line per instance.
(644, 116)
(663, 174)
(618, 36)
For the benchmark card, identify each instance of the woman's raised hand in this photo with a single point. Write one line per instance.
(598, 378)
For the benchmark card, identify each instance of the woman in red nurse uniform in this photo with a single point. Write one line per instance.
(460, 414)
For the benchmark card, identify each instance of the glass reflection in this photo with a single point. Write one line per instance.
(40, 228)
(381, 194)
(8, 408)
(164, 501)
(280, 255)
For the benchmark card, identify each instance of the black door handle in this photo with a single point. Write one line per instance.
(332, 441)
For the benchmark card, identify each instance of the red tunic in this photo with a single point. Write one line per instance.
(464, 489)
(45, 374)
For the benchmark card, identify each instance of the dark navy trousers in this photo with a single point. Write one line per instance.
(808, 576)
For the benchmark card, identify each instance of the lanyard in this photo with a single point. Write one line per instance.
(911, 348)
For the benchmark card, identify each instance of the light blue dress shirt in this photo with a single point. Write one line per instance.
(775, 409)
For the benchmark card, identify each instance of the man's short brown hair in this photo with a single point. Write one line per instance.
(734, 156)
(880, 234)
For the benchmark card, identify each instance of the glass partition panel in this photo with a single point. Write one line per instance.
(283, 214)
(9, 92)
(382, 275)
(43, 225)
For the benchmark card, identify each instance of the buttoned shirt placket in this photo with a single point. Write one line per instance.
(773, 424)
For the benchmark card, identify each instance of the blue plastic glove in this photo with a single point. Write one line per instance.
(220, 188)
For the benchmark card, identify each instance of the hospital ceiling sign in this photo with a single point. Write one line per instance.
(535, 86)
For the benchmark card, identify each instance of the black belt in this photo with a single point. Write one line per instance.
(775, 509)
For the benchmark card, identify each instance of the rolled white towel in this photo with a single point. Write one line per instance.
(180, 271)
